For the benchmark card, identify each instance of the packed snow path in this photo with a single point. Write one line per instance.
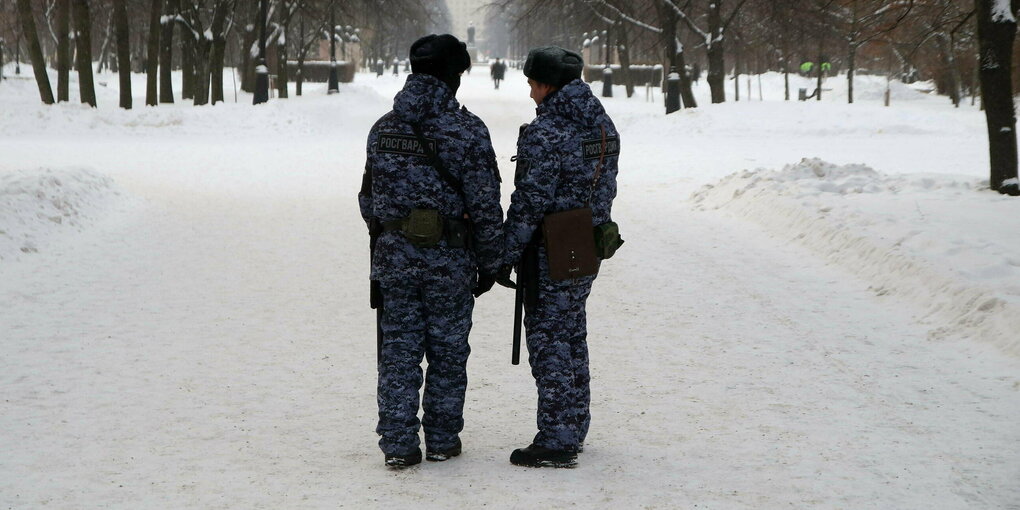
(207, 343)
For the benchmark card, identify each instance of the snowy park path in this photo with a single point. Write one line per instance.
(208, 345)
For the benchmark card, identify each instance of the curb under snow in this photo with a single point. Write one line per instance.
(858, 218)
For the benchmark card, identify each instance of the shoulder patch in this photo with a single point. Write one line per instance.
(592, 149)
(408, 145)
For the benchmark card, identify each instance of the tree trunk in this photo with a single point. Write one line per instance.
(219, 47)
(716, 58)
(996, 32)
(669, 33)
(123, 52)
(189, 48)
(299, 80)
(35, 53)
(948, 51)
(851, 66)
(83, 49)
(736, 76)
(786, 78)
(281, 63)
(200, 83)
(624, 50)
(104, 49)
(247, 60)
(63, 49)
(166, 41)
(152, 55)
(821, 48)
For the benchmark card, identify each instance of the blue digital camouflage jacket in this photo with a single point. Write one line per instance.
(557, 155)
(399, 177)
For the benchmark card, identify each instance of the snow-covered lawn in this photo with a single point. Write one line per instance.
(816, 307)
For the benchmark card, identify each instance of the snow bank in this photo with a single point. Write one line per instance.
(38, 204)
(940, 241)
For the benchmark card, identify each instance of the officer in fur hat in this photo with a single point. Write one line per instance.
(430, 196)
(566, 161)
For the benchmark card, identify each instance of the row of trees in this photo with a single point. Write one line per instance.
(964, 46)
(199, 38)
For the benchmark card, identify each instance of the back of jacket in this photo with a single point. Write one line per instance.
(399, 176)
(557, 157)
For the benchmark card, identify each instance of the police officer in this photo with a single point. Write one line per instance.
(558, 155)
(431, 197)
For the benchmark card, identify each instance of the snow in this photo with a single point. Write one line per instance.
(829, 328)
(37, 204)
(1002, 12)
(891, 231)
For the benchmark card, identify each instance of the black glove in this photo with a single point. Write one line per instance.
(503, 277)
(485, 282)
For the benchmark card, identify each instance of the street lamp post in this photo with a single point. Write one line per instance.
(261, 69)
(334, 85)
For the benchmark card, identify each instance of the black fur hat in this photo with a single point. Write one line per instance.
(553, 65)
(442, 56)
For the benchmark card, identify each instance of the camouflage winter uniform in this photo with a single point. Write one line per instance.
(557, 157)
(427, 291)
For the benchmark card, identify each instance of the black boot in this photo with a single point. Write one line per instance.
(537, 456)
(441, 455)
(403, 461)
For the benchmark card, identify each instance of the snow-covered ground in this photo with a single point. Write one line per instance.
(816, 307)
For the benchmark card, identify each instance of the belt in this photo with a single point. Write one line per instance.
(456, 231)
(449, 224)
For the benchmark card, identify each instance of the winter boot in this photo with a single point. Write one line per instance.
(441, 455)
(537, 456)
(403, 461)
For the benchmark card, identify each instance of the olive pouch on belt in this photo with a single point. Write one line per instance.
(424, 227)
(607, 239)
(569, 244)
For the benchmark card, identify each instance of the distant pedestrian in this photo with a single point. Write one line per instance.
(498, 71)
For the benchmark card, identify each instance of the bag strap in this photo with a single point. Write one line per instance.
(444, 174)
(598, 168)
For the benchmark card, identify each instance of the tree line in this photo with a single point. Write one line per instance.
(198, 38)
(964, 46)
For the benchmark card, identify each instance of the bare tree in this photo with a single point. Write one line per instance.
(120, 16)
(83, 51)
(63, 48)
(166, 39)
(35, 50)
(996, 23)
(865, 21)
(152, 55)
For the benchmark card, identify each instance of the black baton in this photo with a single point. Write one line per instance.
(515, 357)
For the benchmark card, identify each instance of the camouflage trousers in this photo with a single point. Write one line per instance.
(430, 321)
(558, 354)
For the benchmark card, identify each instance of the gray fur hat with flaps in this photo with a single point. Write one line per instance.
(553, 65)
(442, 56)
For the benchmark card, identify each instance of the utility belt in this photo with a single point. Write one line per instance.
(426, 227)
